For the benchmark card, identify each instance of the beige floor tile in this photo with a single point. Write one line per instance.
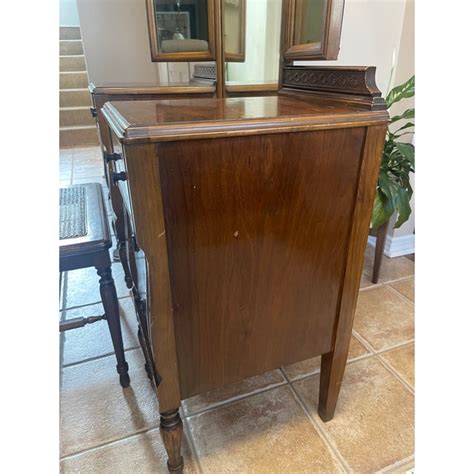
(366, 280)
(232, 391)
(384, 318)
(93, 340)
(83, 285)
(65, 166)
(313, 365)
(87, 162)
(265, 433)
(143, 453)
(402, 360)
(405, 287)
(373, 425)
(391, 269)
(96, 410)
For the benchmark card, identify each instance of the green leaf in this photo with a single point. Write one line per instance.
(407, 150)
(403, 207)
(407, 125)
(388, 188)
(400, 92)
(382, 210)
(408, 114)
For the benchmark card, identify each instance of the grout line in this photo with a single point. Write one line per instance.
(237, 398)
(70, 308)
(398, 293)
(109, 443)
(326, 438)
(381, 351)
(318, 371)
(397, 465)
(378, 355)
(396, 374)
(93, 359)
(386, 283)
(189, 436)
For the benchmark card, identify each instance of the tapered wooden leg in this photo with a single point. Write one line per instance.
(333, 365)
(381, 233)
(111, 309)
(171, 429)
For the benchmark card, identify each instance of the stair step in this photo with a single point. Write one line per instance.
(71, 137)
(69, 32)
(73, 80)
(74, 116)
(72, 63)
(70, 47)
(75, 98)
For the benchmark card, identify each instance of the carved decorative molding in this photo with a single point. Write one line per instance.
(360, 81)
(352, 84)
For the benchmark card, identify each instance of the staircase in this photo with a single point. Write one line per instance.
(77, 128)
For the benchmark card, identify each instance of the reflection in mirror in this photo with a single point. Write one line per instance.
(262, 44)
(234, 29)
(309, 21)
(181, 25)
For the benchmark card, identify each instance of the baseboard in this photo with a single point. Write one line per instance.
(397, 246)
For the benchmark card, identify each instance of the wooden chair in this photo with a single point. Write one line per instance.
(84, 241)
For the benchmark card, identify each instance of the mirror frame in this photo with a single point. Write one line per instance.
(236, 57)
(326, 49)
(183, 56)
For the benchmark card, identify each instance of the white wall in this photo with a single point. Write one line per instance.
(380, 33)
(371, 32)
(115, 39)
(68, 15)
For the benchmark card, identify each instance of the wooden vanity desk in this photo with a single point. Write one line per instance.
(253, 215)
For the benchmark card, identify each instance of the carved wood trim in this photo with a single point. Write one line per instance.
(343, 81)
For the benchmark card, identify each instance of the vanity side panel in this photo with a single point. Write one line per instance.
(146, 199)
(257, 240)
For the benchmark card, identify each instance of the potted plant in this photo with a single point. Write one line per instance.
(394, 191)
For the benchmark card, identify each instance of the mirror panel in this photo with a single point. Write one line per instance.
(234, 28)
(181, 30)
(312, 29)
(260, 64)
(309, 21)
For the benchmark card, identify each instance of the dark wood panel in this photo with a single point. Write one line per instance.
(257, 239)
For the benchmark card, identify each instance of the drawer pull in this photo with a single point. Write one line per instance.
(122, 176)
(93, 112)
(112, 157)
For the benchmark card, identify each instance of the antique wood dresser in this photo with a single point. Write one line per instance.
(248, 219)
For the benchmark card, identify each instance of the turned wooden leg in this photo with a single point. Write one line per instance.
(112, 313)
(171, 429)
(381, 233)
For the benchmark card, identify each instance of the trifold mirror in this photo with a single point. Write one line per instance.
(253, 34)
(181, 30)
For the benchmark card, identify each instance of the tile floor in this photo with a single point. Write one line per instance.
(266, 424)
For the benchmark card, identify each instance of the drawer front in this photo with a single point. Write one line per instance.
(120, 166)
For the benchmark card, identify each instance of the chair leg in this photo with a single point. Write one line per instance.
(379, 247)
(111, 308)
